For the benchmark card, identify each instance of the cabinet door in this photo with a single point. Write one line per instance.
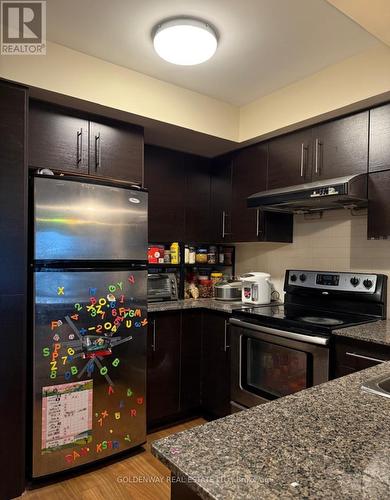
(379, 204)
(215, 364)
(13, 269)
(116, 151)
(163, 366)
(197, 206)
(166, 181)
(289, 159)
(190, 354)
(379, 156)
(249, 177)
(350, 355)
(340, 147)
(57, 139)
(221, 199)
(277, 227)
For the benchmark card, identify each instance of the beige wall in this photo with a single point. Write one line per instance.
(337, 242)
(343, 84)
(78, 75)
(72, 73)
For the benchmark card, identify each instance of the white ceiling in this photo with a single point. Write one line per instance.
(264, 44)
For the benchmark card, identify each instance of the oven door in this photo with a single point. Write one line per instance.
(268, 363)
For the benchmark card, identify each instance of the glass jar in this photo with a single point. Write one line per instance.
(191, 255)
(205, 287)
(167, 256)
(212, 255)
(201, 256)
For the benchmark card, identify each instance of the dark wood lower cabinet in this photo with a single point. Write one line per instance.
(190, 354)
(215, 364)
(163, 366)
(188, 365)
(173, 365)
(350, 355)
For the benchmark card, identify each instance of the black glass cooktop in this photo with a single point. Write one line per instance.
(300, 318)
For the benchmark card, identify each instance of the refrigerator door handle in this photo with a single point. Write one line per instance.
(154, 336)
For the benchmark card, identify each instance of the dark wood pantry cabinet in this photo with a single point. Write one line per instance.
(215, 364)
(250, 176)
(13, 283)
(165, 180)
(221, 199)
(65, 140)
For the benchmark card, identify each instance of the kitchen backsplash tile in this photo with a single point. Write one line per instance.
(337, 242)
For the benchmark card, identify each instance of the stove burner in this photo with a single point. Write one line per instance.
(321, 320)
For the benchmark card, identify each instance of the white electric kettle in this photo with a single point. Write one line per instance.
(256, 288)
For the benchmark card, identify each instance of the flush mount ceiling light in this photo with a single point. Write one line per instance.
(185, 41)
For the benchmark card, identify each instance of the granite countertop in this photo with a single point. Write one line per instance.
(377, 332)
(329, 441)
(213, 304)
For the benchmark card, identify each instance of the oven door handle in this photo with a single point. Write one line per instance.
(309, 339)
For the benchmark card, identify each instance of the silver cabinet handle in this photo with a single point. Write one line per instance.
(225, 345)
(367, 358)
(317, 148)
(154, 336)
(98, 151)
(302, 159)
(258, 230)
(223, 224)
(79, 154)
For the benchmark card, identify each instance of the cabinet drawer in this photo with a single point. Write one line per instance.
(353, 355)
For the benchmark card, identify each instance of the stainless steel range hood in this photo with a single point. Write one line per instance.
(329, 194)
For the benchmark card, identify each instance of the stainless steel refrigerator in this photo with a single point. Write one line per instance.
(89, 328)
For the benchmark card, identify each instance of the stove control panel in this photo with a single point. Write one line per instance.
(324, 280)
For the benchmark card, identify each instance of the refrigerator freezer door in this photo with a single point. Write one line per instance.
(89, 366)
(76, 220)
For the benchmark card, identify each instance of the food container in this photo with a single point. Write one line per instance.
(228, 290)
(205, 287)
(191, 255)
(175, 253)
(215, 278)
(156, 254)
(212, 255)
(186, 255)
(167, 257)
(201, 256)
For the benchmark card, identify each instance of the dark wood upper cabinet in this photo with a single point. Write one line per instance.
(197, 204)
(215, 364)
(340, 147)
(163, 366)
(190, 355)
(379, 154)
(221, 199)
(289, 159)
(116, 151)
(249, 177)
(165, 178)
(58, 139)
(378, 204)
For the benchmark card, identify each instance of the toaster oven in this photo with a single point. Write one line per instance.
(162, 286)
